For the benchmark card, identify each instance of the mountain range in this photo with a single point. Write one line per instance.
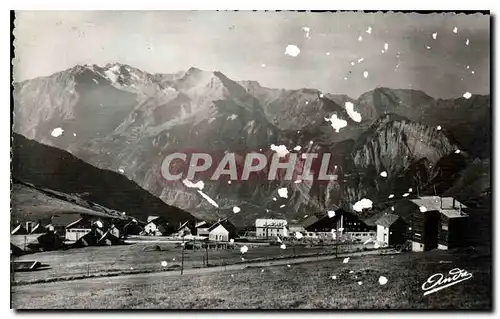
(122, 119)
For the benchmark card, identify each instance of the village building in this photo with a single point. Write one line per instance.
(391, 230)
(296, 228)
(202, 228)
(39, 239)
(46, 242)
(78, 229)
(223, 230)
(98, 236)
(16, 251)
(266, 228)
(19, 230)
(438, 222)
(59, 222)
(38, 228)
(186, 229)
(350, 227)
(133, 227)
(155, 226)
(319, 225)
(217, 232)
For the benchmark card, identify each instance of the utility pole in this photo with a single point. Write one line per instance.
(336, 243)
(182, 256)
(206, 251)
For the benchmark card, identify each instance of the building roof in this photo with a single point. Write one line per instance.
(190, 224)
(38, 229)
(19, 230)
(434, 202)
(452, 213)
(64, 219)
(372, 220)
(269, 223)
(445, 205)
(387, 220)
(203, 224)
(311, 220)
(226, 224)
(214, 226)
(151, 218)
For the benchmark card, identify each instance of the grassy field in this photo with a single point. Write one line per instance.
(144, 257)
(308, 285)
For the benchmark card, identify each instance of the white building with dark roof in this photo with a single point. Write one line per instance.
(266, 228)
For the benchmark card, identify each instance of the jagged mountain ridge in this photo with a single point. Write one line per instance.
(208, 111)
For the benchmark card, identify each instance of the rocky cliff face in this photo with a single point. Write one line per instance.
(395, 155)
(119, 118)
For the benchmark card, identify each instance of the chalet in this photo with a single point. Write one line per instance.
(186, 229)
(155, 226)
(98, 236)
(266, 228)
(223, 230)
(391, 230)
(133, 227)
(438, 222)
(59, 222)
(78, 229)
(350, 227)
(202, 228)
(319, 225)
(46, 242)
(217, 232)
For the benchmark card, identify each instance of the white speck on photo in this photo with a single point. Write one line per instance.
(57, 132)
(283, 192)
(292, 50)
(382, 280)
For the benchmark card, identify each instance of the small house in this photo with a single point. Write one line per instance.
(46, 242)
(222, 230)
(202, 228)
(78, 229)
(98, 237)
(186, 229)
(156, 226)
(133, 227)
(59, 222)
(217, 232)
(391, 230)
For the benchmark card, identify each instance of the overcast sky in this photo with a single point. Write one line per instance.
(239, 44)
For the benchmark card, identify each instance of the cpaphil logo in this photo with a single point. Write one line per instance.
(438, 281)
(243, 166)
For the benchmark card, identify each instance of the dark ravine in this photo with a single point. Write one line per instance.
(118, 118)
(58, 170)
